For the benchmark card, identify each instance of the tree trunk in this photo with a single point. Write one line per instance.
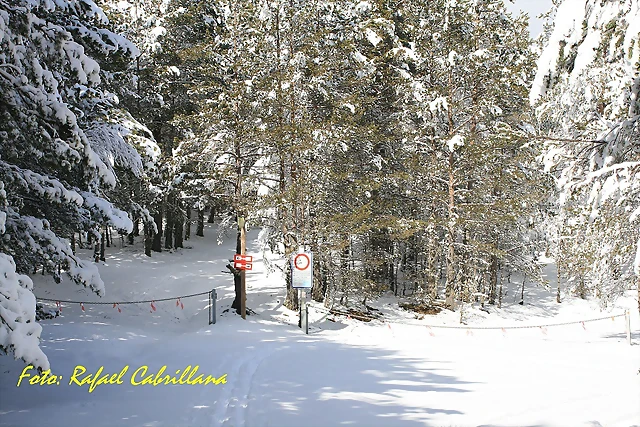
(187, 230)
(178, 225)
(107, 234)
(200, 227)
(73, 242)
(320, 286)
(493, 280)
(212, 215)
(169, 214)
(136, 227)
(236, 277)
(291, 301)
(157, 238)
(102, 258)
(131, 236)
(500, 291)
(451, 236)
(148, 239)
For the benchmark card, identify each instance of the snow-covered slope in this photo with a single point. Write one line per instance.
(343, 373)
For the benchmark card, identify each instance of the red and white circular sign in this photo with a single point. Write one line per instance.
(301, 262)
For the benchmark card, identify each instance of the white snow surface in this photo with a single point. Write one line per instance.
(345, 372)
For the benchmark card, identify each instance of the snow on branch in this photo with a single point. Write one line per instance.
(106, 211)
(19, 332)
(39, 245)
(31, 182)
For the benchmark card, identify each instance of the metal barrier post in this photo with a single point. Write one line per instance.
(213, 297)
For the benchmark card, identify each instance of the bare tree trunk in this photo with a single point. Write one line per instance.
(148, 239)
(451, 236)
(102, 258)
(500, 292)
(178, 224)
(212, 215)
(236, 278)
(493, 280)
(320, 276)
(169, 213)
(136, 226)
(131, 236)
(107, 234)
(187, 230)
(200, 227)
(73, 242)
(157, 238)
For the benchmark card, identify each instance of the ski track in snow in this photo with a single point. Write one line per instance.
(231, 407)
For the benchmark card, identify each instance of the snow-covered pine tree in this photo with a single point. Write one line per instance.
(586, 92)
(467, 100)
(19, 332)
(156, 88)
(55, 125)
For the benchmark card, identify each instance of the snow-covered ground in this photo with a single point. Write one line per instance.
(343, 373)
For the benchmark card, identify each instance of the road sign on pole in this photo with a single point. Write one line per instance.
(302, 270)
(242, 265)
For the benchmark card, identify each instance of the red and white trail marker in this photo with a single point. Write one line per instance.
(242, 262)
(242, 265)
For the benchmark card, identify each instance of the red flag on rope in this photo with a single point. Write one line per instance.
(179, 303)
(389, 325)
(544, 330)
(59, 306)
(583, 327)
(469, 332)
(115, 305)
(153, 307)
(82, 306)
(430, 331)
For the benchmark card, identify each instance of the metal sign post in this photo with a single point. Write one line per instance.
(306, 317)
(302, 279)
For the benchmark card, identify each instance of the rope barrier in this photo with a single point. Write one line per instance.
(503, 328)
(122, 302)
(211, 307)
